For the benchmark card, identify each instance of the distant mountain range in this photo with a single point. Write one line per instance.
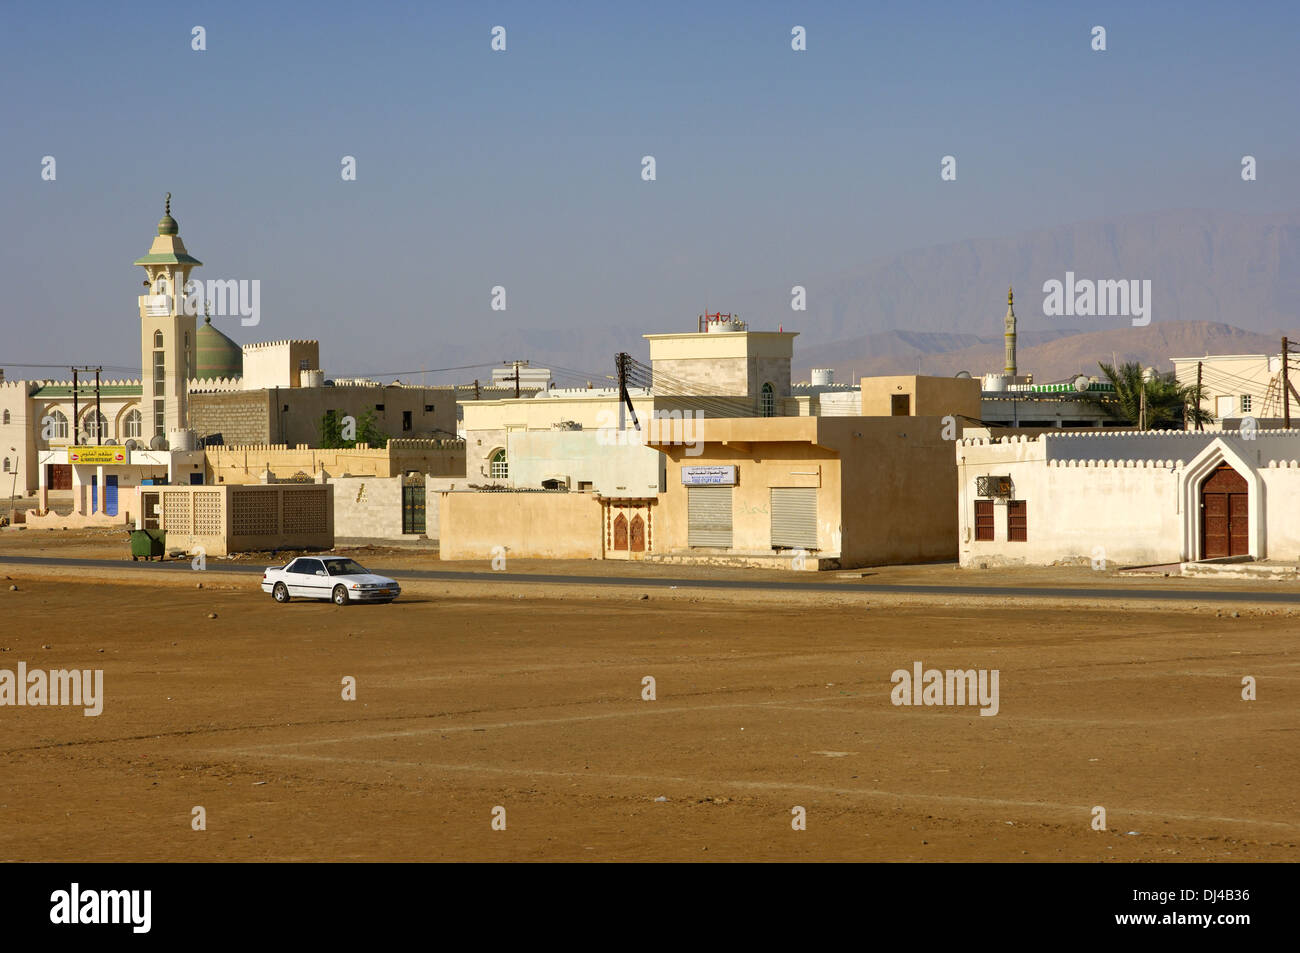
(1220, 282)
(1048, 355)
(1219, 267)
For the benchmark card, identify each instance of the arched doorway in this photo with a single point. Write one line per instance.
(1225, 514)
(620, 532)
(638, 534)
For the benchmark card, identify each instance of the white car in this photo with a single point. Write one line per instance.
(336, 578)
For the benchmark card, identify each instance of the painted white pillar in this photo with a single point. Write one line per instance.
(42, 486)
(78, 492)
(99, 488)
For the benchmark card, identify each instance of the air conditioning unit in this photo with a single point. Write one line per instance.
(997, 487)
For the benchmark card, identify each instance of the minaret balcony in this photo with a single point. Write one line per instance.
(156, 306)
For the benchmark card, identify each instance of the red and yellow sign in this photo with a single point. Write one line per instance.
(97, 455)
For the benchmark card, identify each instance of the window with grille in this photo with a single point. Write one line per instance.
(500, 470)
(1017, 521)
(984, 520)
(1245, 403)
(767, 401)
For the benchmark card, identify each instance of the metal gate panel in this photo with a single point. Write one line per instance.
(110, 495)
(413, 509)
(708, 516)
(794, 517)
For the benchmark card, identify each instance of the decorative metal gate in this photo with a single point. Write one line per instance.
(413, 508)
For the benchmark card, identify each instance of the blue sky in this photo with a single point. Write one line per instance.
(522, 168)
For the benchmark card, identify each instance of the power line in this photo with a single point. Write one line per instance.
(427, 370)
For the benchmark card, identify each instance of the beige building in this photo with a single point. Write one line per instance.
(725, 360)
(586, 439)
(1240, 385)
(292, 415)
(918, 396)
(808, 492)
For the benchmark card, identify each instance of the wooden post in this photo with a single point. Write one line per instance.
(1286, 389)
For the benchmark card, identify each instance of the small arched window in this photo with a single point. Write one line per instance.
(157, 339)
(6, 465)
(767, 401)
(6, 416)
(500, 469)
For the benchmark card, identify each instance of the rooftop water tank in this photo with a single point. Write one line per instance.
(182, 440)
(823, 375)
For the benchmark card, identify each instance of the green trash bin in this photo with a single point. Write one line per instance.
(148, 543)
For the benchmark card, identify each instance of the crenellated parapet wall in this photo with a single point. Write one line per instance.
(1124, 464)
(262, 345)
(213, 384)
(267, 462)
(1126, 449)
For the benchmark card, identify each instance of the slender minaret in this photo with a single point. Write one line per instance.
(167, 333)
(1010, 337)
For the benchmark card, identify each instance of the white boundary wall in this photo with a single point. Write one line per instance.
(1126, 498)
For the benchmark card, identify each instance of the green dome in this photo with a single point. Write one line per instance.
(215, 355)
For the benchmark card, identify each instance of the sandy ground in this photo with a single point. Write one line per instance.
(528, 698)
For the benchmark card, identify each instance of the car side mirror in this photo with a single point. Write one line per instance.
(320, 572)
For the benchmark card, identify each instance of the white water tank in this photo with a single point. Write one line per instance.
(182, 440)
(311, 378)
(823, 375)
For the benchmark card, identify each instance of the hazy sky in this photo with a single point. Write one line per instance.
(523, 168)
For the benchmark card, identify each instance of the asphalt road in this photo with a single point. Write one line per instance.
(659, 582)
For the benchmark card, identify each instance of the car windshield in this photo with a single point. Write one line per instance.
(344, 567)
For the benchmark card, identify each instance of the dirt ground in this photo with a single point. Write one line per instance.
(473, 697)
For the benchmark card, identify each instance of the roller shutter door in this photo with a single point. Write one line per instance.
(794, 516)
(708, 516)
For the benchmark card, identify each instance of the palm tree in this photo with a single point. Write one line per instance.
(1170, 405)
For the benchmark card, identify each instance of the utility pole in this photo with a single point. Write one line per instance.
(516, 380)
(73, 431)
(1286, 388)
(476, 396)
(621, 360)
(1142, 413)
(99, 431)
(1199, 425)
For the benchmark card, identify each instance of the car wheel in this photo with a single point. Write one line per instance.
(340, 596)
(281, 592)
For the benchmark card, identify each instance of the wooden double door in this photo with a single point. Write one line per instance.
(1225, 514)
